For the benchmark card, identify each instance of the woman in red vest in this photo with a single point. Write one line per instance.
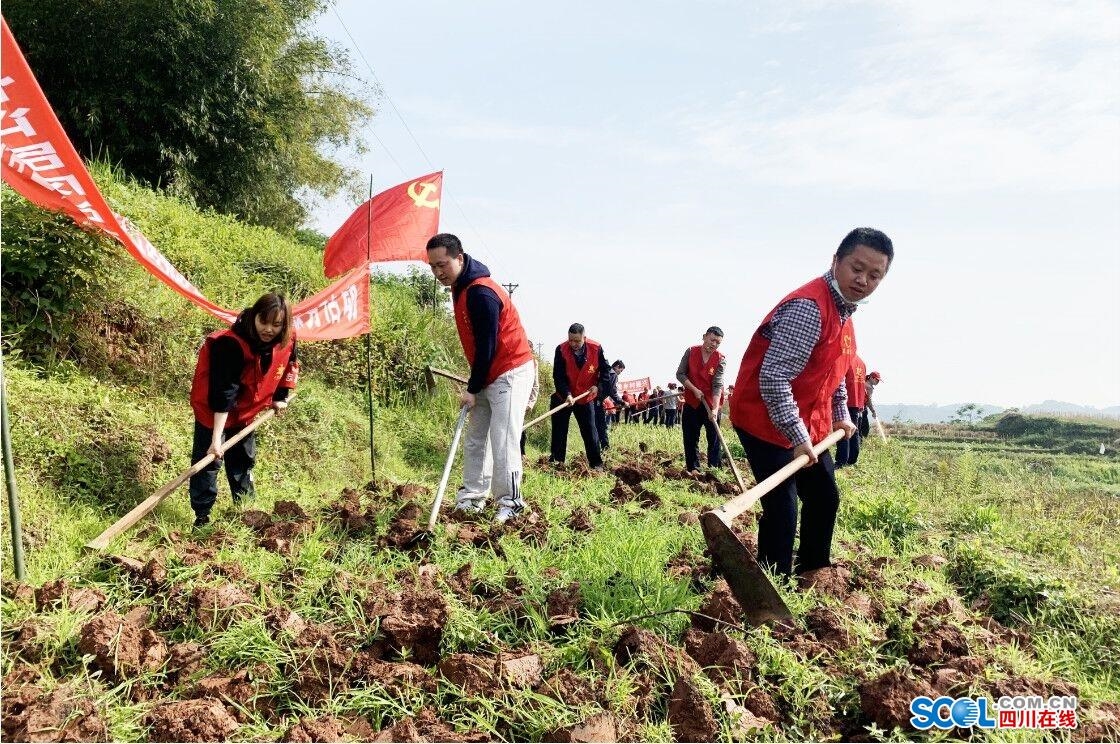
(578, 366)
(790, 394)
(847, 450)
(241, 371)
(701, 374)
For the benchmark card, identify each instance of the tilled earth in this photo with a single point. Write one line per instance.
(158, 628)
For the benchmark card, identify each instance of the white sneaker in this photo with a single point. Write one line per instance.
(505, 513)
(468, 506)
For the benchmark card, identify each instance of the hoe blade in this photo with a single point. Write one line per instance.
(759, 599)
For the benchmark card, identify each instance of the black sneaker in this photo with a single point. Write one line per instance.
(201, 521)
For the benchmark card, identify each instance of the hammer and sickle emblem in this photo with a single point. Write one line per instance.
(420, 198)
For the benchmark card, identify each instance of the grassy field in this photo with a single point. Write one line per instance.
(964, 564)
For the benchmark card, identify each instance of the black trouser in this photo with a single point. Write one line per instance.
(691, 421)
(239, 460)
(847, 450)
(601, 427)
(820, 499)
(670, 417)
(585, 417)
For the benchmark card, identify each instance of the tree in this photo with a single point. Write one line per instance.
(967, 414)
(228, 102)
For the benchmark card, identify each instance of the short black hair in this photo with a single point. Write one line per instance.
(575, 328)
(714, 329)
(874, 239)
(448, 241)
(619, 363)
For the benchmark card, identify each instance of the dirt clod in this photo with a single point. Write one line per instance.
(30, 714)
(886, 699)
(403, 527)
(833, 580)
(599, 728)
(256, 520)
(722, 656)
(120, 647)
(474, 674)
(690, 714)
(721, 605)
(323, 729)
(521, 671)
(191, 720)
(580, 521)
(828, 626)
(563, 606)
(415, 621)
(218, 606)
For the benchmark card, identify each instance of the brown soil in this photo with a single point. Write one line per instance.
(938, 643)
(646, 651)
(861, 606)
(1017, 685)
(427, 726)
(723, 657)
(686, 564)
(520, 671)
(282, 620)
(415, 621)
(632, 474)
(886, 699)
(79, 599)
(687, 518)
(1099, 723)
(569, 688)
(828, 626)
(323, 729)
(469, 533)
(19, 591)
(917, 588)
(348, 512)
(601, 727)
(462, 583)
(690, 714)
(230, 687)
(320, 663)
(256, 520)
(762, 705)
(120, 647)
(957, 677)
(834, 581)
(289, 510)
(193, 554)
(191, 720)
(411, 492)
(721, 605)
(805, 645)
(184, 660)
(563, 606)
(403, 527)
(398, 678)
(930, 561)
(29, 714)
(531, 525)
(472, 673)
(580, 521)
(218, 606)
(744, 721)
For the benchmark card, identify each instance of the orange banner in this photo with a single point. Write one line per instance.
(38, 161)
(396, 223)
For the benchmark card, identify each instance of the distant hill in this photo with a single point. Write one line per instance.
(923, 414)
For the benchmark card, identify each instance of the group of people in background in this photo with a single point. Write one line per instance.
(799, 379)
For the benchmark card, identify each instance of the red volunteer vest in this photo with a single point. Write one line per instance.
(701, 375)
(256, 386)
(856, 382)
(608, 405)
(585, 377)
(513, 345)
(813, 388)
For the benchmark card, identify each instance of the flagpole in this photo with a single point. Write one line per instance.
(369, 336)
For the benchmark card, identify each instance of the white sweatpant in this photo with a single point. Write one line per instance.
(492, 452)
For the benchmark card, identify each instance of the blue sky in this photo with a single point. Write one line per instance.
(650, 169)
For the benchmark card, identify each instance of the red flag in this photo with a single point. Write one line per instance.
(38, 160)
(400, 223)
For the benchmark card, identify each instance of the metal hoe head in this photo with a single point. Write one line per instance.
(759, 599)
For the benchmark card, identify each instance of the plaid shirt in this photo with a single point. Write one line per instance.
(793, 332)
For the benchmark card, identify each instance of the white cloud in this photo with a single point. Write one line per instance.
(957, 97)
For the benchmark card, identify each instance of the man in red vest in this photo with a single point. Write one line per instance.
(500, 382)
(790, 394)
(701, 374)
(578, 366)
(847, 450)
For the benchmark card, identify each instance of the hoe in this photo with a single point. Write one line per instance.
(759, 599)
